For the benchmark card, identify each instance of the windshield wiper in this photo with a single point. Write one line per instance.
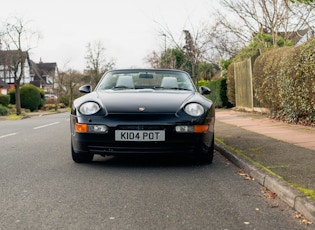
(171, 88)
(121, 87)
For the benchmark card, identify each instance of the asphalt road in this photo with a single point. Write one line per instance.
(42, 188)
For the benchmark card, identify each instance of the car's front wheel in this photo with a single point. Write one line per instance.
(206, 156)
(81, 157)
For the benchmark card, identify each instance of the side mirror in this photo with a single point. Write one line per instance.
(85, 89)
(204, 90)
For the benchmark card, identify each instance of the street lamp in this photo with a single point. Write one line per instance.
(164, 42)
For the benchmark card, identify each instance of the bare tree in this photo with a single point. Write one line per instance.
(96, 61)
(304, 1)
(222, 41)
(192, 51)
(250, 17)
(71, 80)
(153, 59)
(17, 37)
(193, 43)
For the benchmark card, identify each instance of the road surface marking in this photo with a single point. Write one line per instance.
(43, 126)
(8, 135)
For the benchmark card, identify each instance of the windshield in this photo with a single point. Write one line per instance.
(150, 79)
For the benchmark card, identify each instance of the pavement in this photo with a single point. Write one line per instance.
(37, 113)
(279, 156)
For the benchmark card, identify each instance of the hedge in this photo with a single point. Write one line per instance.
(3, 110)
(4, 100)
(218, 92)
(12, 96)
(266, 77)
(284, 82)
(230, 84)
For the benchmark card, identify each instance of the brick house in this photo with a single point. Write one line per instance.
(4, 87)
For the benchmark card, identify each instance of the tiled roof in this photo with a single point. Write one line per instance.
(9, 57)
(296, 36)
(47, 68)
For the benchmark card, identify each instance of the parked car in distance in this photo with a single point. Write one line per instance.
(51, 98)
(142, 111)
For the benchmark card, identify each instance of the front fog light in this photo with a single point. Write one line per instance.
(184, 129)
(98, 128)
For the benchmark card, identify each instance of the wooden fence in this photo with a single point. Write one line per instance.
(244, 97)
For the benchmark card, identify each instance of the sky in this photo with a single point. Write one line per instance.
(130, 30)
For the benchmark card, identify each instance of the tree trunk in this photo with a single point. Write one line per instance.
(57, 103)
(17, 98)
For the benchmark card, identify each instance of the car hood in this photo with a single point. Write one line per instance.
(143, 102)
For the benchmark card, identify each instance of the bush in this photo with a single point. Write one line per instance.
(3, 110)
(230, 81)
(298, 83)
(284, 82)
(4, 100)
(30, 97)
(42, 99)
(12, 96)
(65, 100)
(267, 78)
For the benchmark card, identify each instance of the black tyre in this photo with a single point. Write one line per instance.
(206, 157)
(81, 157)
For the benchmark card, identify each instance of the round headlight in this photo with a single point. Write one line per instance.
(194, 109)
(89, 108)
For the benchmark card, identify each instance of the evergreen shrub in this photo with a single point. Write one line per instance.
(12, 96)
(218, 92)
(65, 100)
(4, 100)
(284, 82)
(30, 97)
(230, 81)
(3, 110)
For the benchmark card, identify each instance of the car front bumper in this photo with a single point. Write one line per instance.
(105, 143)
